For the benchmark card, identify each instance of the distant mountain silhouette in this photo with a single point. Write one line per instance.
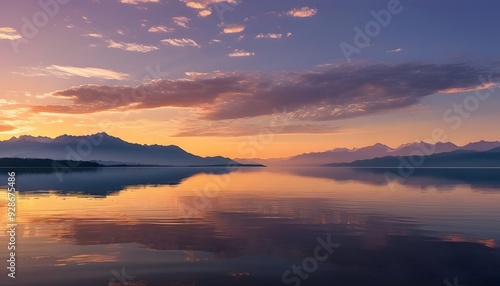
(460, 158)
(345, 155)
(481, 146)
(102, 148)
(339, 155)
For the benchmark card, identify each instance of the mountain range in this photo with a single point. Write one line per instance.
(345, 155)
(104, 149)
(455, 159)
(109, 150)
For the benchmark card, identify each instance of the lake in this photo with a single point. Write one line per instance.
(254, 226)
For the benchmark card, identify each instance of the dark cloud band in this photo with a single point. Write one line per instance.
(341, 91)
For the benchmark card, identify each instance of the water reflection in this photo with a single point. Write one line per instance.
(482, 179)
(255, 227)
(104, 181)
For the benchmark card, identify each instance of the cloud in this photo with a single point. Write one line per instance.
(349, 90)
(240, 53)
(483, 86)
(205, 13)
(8, 33)
(5, 127)
(95, 35)
(195, 5)
(89, 72)
(181, 21)
(68, 71)
(155, 94)
(196, 74)
(183, 42)
(11, 114)
(341, 91)
(132, 47)
(3, 102)
(86, 20)
(269, 36)
(206, 7)
(303, 12)
(160, 29)
(395, 50)
(205, 4)
(235, 129)
(233, 28)
(135, 2)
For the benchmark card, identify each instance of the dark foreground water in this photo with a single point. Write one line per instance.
(254, 226)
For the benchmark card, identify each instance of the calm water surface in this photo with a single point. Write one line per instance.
(254, 226)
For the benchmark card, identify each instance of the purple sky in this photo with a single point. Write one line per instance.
(342, 73)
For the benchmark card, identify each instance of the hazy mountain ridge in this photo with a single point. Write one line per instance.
(102, 147)
(458, 158)
(345, 155)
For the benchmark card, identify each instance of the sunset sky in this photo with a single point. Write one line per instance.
(210, 76)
